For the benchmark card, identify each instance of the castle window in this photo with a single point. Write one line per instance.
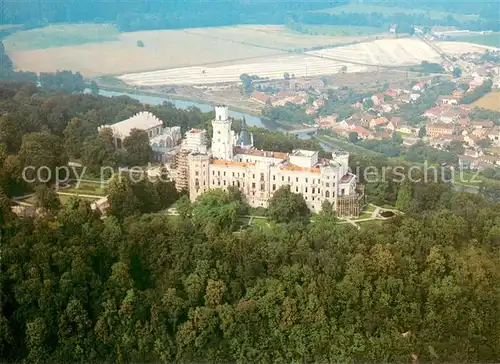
(243, 175)
(218, 173)
(282, 178)
(197, 173)
(297, 179)
(262, 176)
(218, 183)
(274, 178)
(197, 183)
(327, 185)
(306, 190)
(274, 187)
(313, 198)
(233, 174)
(253, 185)
(253, 176)
(319, 190)
(218, 131)
(327, 194)
(305, 198)
(224, 182)
(238, 183)
(224, 174)
(288, 179)
(296, 189)
(262, 187)
(313, 190)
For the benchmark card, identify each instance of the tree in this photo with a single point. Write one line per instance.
(405, 196)
(42, 152)
(140, 43)
(422, 132)
(47, 199)
(286, 206)
(121, 198)
(138, 149)
(94, 88)
(457, 72)
(75, 134)
(184, 207)
(343, 69)
(286, 76)
(353, 137)
(397, 138)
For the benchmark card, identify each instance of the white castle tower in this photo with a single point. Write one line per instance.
(222, 140)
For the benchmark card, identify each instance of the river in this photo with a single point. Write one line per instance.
(183, 104)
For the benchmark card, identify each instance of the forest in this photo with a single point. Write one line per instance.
(149, 14)
(144, 286)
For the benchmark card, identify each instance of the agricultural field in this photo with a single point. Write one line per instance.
(490, 101)
(163, 49)
(384, 52)
(272, 67)
(281, 38)
(61, 35)
(393, 10)
(457, 48)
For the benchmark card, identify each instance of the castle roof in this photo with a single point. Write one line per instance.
(244, 138)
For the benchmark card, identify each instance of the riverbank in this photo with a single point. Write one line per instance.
(176, 96)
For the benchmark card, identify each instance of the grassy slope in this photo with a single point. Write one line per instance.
(490, 101)
(365, 8)
(61, 35)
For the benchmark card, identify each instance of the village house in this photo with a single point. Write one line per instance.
(379, 135)
(472, 141)
(260, 97)
(433, 113)
(327, 122)
(311, 111)
(490, 159)
(357, 105)
(378, 99)
(406, 129)
(439, 129)
(494, 136)
(378, 122)
(482, 124)
(414, 97)
(409, 141)
(391, 93)
(363, 118)
(318, 103)
(449, 116)
(447, 100)
(394, 124)
(475, 83)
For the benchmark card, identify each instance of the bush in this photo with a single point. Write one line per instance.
(140, 43)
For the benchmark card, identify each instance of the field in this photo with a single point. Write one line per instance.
(457, 48)
(393, 10)
(163, 49)
(490, 40)
(490, 101)
(281, 38)
(360, 57)
(61, 35)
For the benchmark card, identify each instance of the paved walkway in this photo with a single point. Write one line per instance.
(80, 195)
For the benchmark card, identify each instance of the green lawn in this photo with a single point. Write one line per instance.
(334, 30)
(86, 188)
(393, 10)
(64, 199)
(61, 35)
(262, 223)
(491, 40)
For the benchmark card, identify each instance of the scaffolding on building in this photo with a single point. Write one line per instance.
(181, 167)
(349, 206)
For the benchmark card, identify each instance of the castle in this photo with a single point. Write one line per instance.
(233, 161)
